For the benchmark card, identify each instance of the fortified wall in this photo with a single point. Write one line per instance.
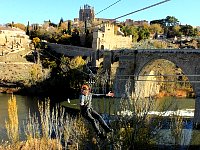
(104, 38)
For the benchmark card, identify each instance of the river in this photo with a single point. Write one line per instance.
(24, 104)
(185, 107)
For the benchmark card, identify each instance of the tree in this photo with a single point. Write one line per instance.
(88, 39)
(65, 39)
(171, 21)
(195, 32)
(63, 28)
(161, 22)
(143, 33)
(69, 28)
(61, 21)
(130, 30)
(75, 39)
(155, 28)
(36, 42)
(187, 30)
(27, 29)
(126, 30)
(176, 30)
(134, 33)
(77, 62)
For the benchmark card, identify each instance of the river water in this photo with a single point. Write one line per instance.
(183, 106)
(24, 104)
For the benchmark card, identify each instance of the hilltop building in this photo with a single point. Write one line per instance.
(130, 22)
(86, 13)
(104, 37)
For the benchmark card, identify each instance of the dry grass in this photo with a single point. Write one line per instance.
(33, 144)
(12, 125)
(52, 129)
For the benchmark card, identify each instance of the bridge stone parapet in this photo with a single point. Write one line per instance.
(70, 50)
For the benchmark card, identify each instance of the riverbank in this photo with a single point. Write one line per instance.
(16, 72)
(179, 93)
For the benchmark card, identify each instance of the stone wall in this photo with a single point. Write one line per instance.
(73, 51)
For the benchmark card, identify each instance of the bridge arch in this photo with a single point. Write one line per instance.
(160, 75)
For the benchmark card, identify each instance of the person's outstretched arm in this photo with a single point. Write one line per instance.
(110, 94)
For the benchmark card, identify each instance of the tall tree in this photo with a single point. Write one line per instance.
(61, 21)
(75, 39)
(27, 29)
(69, 28)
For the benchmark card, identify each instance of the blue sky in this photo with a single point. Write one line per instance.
(37, 11)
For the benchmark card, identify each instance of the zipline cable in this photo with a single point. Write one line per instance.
(107, 7)
(142, 9)
(159, 3)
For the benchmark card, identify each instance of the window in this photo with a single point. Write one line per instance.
(102, 46)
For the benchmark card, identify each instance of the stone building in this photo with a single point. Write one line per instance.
(104, 37)
(130, 22)
(86, 13)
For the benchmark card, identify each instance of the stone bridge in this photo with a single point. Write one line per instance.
(132, 64)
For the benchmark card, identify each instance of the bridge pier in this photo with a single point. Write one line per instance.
(94, 57)
(107, 61)
(196, 123)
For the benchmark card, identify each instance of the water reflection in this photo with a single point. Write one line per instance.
(24, 104)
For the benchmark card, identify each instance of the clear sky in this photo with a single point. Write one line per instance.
(37, 11)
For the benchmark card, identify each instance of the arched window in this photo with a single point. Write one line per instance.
(102, 46)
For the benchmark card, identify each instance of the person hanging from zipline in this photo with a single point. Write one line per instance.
(89, 113)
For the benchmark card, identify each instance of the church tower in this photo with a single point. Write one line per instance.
(86, 13)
